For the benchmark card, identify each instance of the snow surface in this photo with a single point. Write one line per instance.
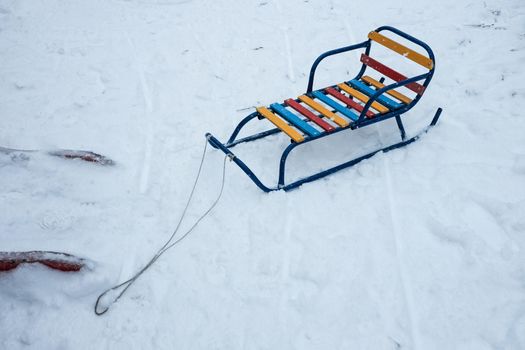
(420, 248)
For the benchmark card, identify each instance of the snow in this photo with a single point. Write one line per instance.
(419, 248)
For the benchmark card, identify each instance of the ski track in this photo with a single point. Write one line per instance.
(289, 59)
(399, 254)
(285, 260)
(406, 288)
(148, 116)
(287, 45)
(285, 274)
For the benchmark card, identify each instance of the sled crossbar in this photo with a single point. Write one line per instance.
(344, 106)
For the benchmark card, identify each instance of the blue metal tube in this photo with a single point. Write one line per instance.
(282, 163)
(254, 137)
(241, 124)
(347, 164)
(217, 144)
(401, 127)
(381, 91)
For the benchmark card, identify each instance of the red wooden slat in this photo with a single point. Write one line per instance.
(349, 102)
(297, 106)
(392, 74)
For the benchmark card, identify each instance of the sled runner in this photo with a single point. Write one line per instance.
(348, 105)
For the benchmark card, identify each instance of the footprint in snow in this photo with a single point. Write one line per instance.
(57, 222)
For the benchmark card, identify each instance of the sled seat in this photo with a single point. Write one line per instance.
(325, 110)
(378, 92)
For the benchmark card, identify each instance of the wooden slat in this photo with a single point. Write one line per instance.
(362, 97)
(385, 101)
(401, 49)
(336, 106)
(393, 93)
(330, 115)
(319, 121)
(281, 124)
(348, 101)
(295, 120)
(392, 74)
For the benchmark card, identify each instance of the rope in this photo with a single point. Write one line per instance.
(168, 244)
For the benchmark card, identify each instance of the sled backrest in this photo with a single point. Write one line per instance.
(414, 52)
(425, 61)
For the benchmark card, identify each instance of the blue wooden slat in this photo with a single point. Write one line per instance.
(369, 91)
(295, 120)
(340, 108)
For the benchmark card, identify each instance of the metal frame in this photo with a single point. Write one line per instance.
(361, 122)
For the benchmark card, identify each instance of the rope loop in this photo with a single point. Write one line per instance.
(102, 307)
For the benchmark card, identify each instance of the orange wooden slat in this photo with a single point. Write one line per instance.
(362, 97)
(330, 115)
(393, 93)
(401, 49)
(281, 124)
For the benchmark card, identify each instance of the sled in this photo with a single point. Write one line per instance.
(344, 106)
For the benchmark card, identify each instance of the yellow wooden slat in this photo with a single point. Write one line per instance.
(392, 93)
(330, 115)
(362, 97)
(281, 124)
(401, 49)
